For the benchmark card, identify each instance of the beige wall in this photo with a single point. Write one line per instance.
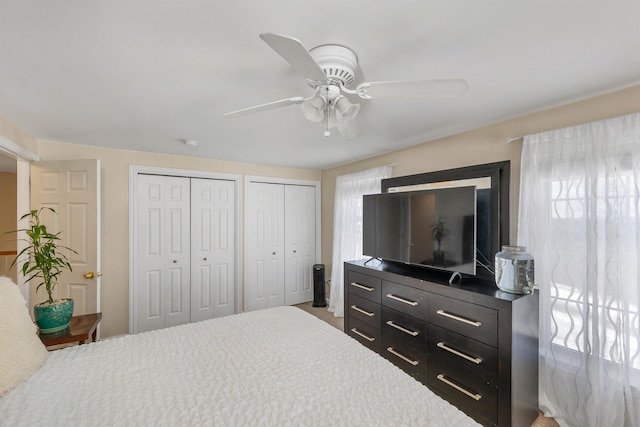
(485, 145)
(8, 208)
(115, 210)
(9, 192)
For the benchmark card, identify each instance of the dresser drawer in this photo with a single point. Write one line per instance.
(364, 310)
(364, 286)
(411, 359)
(464, 392)
(366, 334)
(469, 357)
(413, 331)
(471, 320)
(405, 299)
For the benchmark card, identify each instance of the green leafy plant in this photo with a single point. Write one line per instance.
(46, 259)
(440, 230)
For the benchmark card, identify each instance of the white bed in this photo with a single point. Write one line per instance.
(275, 367)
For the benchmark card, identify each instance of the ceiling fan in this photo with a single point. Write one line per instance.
(330, 70)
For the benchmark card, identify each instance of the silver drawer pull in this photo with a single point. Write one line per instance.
(366, 288)
(405, 358)
(459, 319)
(474, 396)
(356, 308)
(475, 360)
(365, 336)
(400, 328)
(406, 301)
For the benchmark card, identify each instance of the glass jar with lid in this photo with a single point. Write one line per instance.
(514, 270)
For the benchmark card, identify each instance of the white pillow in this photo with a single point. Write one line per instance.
(21, 351)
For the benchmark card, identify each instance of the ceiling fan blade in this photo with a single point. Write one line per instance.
(413, 89)
(264, 107)
(295, 54)
(349, 130)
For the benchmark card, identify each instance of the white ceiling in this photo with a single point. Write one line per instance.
(145, 74)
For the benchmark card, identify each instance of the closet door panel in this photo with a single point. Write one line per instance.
(264, 246)
(150, 271)
(162, 279)
(224, 248)
(178, 260)
(300, 228)
(212, 248)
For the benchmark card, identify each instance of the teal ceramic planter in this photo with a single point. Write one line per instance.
(55, 317)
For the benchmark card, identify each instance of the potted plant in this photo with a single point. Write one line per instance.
(440, 231)
(46, 261)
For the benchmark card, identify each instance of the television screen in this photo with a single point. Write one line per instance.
(431, 228)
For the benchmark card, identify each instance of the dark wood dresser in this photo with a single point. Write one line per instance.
(471, 343)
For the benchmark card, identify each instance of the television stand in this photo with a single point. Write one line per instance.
(470, 343)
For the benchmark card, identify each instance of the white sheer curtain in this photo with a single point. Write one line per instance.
(347, 226)
(580, 217)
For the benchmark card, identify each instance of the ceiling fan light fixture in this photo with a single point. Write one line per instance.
(313, 109)
(345, 110)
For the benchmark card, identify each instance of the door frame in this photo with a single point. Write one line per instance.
(289, 181)
(134, 171)
(23, 157)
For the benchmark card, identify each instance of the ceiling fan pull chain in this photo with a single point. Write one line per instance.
(327, 132)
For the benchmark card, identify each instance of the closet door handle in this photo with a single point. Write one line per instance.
(365, 336)
(356, 308)
(400, 328)
(366, 288)
(474, 396)
(459, 319)
(402, 300)
(402, 356)
(475, 360)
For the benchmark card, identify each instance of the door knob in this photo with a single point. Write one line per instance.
(91, 275)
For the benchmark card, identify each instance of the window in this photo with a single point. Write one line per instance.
(578, 216)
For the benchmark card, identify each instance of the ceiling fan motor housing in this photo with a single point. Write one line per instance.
(337, 62)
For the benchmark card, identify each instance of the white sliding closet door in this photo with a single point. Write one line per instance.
(164, 260)
(212, 248)
(264, 271)
(300, 243)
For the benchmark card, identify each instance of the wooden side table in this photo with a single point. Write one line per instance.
(81, 329)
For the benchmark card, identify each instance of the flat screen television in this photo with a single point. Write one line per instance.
(431, 228)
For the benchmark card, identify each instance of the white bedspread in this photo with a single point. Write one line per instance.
(276, 367)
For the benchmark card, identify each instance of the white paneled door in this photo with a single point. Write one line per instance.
(72, 189)
(280, 244)
(163, 252)
(185, 251)
(212, 248)
(300, 243)
(264, 237)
